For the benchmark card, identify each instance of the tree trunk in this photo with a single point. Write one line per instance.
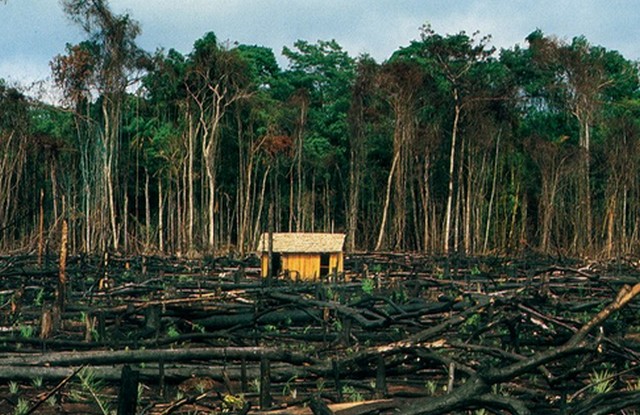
(387, 201)
(147, 211)
(355, 179)
(450, 187)
(256, 230)
(494, 181)
(61, 292)
(110, 137)
(426, 201)
(299, 173)
(160, 217)
(190, 182)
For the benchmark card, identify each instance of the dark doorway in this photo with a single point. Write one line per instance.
(324, 264)
(276, 264)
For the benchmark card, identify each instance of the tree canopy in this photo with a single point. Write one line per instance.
(446, 146)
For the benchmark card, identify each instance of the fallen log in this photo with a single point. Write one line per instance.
(345, 311)
(347, 408)
(608, 403)
(106, 357)
(430, 326)
(279, 372)
(475, 392)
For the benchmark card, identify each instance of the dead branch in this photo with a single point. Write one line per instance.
(480, 383)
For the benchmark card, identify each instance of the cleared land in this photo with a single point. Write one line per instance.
(398, 333)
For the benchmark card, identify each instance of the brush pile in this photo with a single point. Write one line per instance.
(397, 333)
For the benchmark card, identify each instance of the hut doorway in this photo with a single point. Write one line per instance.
(276, 266)
(324, 264)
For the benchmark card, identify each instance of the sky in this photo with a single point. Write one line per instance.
(32, 32)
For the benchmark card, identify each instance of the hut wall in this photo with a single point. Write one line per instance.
(307, 266)
(336, 262)
(264, 264)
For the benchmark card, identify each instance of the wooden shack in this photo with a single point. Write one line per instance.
(305, 256)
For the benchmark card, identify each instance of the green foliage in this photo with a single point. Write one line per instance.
(261, 62)
(471, 324)
(330, 294)
(14, 387)
(311, 138)
(173, 332)
(254, 385)
(37, 382)
(200, 387)
(164, 82)
(338, 326)
(39, 297)
(52, 123)
(13, 104)
(351, 394)
(288, 389)
(26, 331)
(52, 401)
(22, 407)
(368, 286)
(233, 402)
(198, 328)
(601, 381)
(399, 296)
(94, 388)
(431, 386)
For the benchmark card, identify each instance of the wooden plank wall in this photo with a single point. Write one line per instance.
(306, 265)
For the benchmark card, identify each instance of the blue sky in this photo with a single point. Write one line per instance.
(32, 32)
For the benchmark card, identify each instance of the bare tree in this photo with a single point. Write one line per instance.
(361, 94)
(401, 82)
(215, 80)
(109, 58)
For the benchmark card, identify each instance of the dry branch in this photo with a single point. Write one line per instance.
(106, 357)
(480, 384)
(518, 325)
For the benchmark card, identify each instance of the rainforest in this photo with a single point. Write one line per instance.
(446, 146)
(488, 202)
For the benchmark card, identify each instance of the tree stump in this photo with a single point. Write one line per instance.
(128, 395)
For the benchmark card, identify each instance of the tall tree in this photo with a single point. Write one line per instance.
(452, 61)
(112, 58)
(581, 75)
(402, 83)
(362, 100)
(215, 79)
(14, 127)
(255, 119)
(320, 78)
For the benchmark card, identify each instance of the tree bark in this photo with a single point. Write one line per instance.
(450, 186)
(153, 355)
(387, 201)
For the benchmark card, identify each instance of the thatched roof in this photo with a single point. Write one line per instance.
(306, 243)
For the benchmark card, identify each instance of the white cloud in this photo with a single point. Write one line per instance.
(23, 70)
(34, 31)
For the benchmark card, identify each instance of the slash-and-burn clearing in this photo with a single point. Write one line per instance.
(396, 333)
